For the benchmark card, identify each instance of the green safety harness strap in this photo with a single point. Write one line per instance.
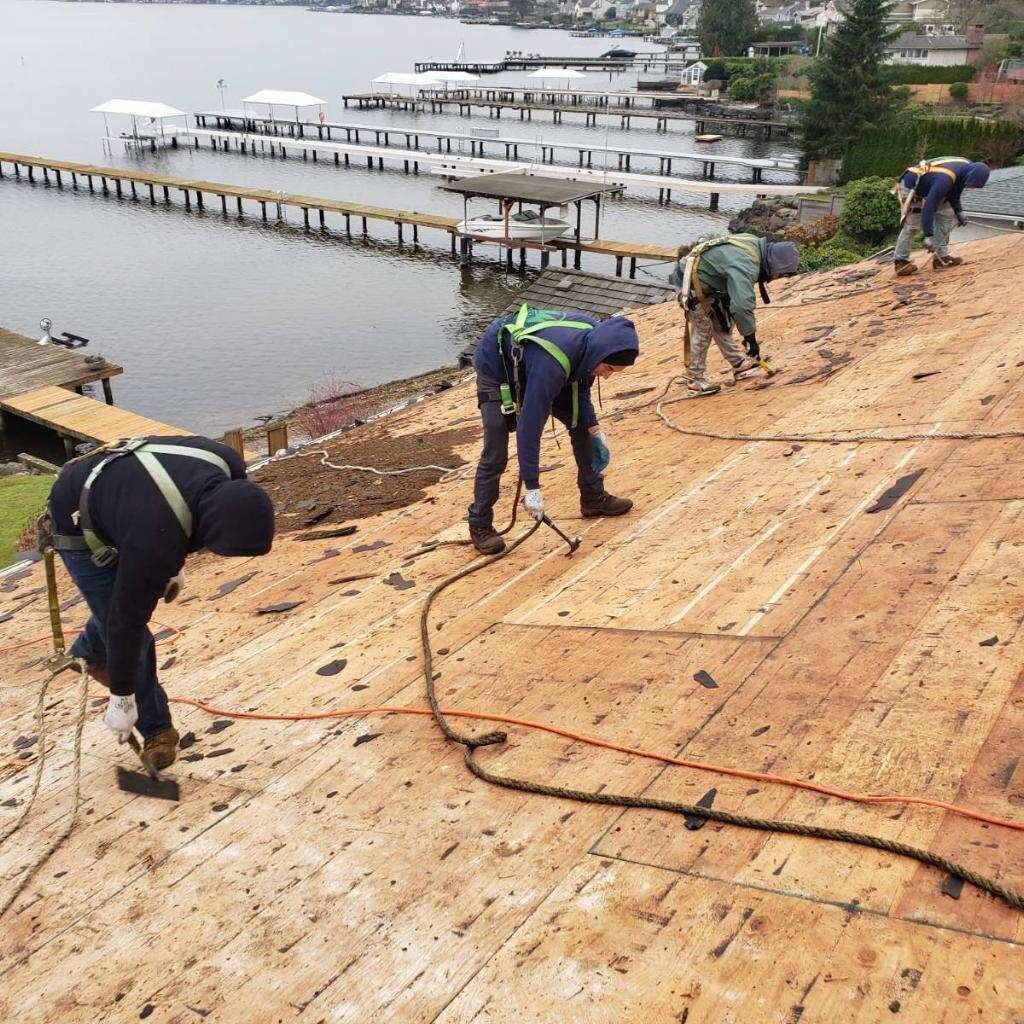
(104, 554)
(520, 332)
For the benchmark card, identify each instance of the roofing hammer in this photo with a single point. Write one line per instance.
(573, 542)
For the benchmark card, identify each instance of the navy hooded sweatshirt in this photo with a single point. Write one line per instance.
(546, 391)
(936, 188)
(128, 511)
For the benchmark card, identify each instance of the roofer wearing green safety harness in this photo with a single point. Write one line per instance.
(717, 284)
(530, 365)
(124, 518)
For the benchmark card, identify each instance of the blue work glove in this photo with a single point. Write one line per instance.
(929, 243)
(601, 455)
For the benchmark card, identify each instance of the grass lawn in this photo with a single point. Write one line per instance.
(21, 500)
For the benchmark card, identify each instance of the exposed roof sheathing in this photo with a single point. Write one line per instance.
(847, 613)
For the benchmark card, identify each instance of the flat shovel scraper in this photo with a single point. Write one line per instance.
(151, 782)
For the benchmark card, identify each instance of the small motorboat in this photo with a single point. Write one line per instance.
(527, 225)
(707, 138)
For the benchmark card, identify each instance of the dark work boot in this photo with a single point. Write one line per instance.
(943, 262)
(486, 540)
(904, 268)
(601, 503)
(162, 748)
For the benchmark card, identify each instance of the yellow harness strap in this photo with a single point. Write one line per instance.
(699, 250)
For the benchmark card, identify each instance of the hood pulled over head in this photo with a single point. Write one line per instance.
(236, 517)
(612, 341)
(781, 259)
(976, 175)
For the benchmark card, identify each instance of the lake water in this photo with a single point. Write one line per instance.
(218, 321)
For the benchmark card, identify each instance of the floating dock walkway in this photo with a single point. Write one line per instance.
(459, 166)
(440, 104)
(121, 180)
(79, 418)
(478, 144)
(26, 365)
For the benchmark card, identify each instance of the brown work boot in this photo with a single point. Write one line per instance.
(904, 268)
(601, 503)
(162, 748)
(486, 540)
(944, 262)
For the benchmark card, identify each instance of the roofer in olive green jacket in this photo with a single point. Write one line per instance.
(716, 283)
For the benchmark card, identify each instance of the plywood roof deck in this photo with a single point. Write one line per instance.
(26, 365)
(352, 870)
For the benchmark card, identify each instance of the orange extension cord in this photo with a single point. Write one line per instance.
(596, 741)
(593, 741)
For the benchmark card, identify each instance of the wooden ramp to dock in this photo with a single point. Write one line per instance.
(849, 615)
(26, 365)
(81, 418)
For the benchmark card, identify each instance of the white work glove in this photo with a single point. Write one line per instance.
(534, 504)
(929, 243)
(121, 716)
(174, 587)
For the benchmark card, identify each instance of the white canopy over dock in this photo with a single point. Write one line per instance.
(154, 133)
(283, 98)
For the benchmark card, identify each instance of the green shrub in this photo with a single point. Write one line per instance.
(870, 211)
(722, 69)
(958, 90)
(889, 149)
(919, 74)
(824, 257)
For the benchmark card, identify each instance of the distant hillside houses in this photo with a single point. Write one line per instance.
(935, 47)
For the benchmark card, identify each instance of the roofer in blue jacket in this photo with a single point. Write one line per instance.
(930, 197)
(531, 365)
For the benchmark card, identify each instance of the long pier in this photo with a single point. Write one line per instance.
(439, 104)
(643, 61)
(125, 183)
(545, 150)
(455, 165)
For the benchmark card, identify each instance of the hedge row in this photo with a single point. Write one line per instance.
(887, 151)
(914, 74)
(721, 69)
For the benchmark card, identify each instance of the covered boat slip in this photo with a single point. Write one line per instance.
(152, 124)
(512, 190)
(848, 614)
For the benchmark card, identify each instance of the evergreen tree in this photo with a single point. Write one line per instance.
(726, 27)
(850, 89)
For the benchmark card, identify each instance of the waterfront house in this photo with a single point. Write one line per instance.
(935, 48)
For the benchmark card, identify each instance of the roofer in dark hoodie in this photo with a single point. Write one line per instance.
(531, 365)
(124, 519)
(929, 195)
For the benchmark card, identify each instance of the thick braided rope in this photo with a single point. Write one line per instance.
(471, 743)
(793, 828)
(841, 437)
(76, 784)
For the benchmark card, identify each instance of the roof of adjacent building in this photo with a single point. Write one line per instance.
(597, 294)
(923, 42)
(1003, 196)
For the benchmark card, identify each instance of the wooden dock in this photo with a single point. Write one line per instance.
(126, 183)
(455, 165)
(26, 365)
(440, 104)
(79, 418)
(643, 61)
(483, 145)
